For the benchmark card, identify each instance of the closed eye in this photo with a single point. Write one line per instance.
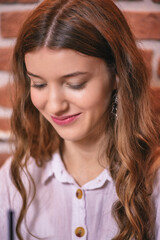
(77, 86)
(39, 86)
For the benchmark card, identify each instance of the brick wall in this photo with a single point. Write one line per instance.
(143, 17)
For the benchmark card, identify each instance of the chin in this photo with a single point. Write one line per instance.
(72, 136)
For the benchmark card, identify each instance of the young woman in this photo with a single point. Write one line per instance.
(86, 158)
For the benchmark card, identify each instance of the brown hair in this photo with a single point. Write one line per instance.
(96, 28)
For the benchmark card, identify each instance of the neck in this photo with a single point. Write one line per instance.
(84, 160)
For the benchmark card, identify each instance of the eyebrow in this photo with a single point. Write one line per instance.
(74, 74)
(34, 75)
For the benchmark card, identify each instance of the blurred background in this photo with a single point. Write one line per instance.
(143, 16)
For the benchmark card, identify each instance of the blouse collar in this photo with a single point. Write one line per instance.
(55, 168)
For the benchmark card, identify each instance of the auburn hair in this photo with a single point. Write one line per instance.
(95, 28)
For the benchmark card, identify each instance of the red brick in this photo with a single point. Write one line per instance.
(5, 95)
(155, 97)
(18, 1)
(3, 158)
(11, 23)
(4, 124)
(156, 1)
(145, 25)
(5, 58)
(159, 68)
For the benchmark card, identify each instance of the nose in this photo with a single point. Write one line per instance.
(56, 101)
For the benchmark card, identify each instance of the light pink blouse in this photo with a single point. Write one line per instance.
(61, 209)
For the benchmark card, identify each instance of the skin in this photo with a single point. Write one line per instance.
(65, 82)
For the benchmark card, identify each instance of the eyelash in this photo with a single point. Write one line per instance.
(78, 86)
(38, 86)
(74, 87)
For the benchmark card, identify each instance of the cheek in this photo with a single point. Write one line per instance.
(91, 99)
(100, 97)
(37, 99)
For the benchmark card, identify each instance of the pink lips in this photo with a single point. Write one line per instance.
(66, 119)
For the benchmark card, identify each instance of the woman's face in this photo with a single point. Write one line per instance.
(71, 90)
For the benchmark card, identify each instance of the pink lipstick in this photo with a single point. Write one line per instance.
(64, 120)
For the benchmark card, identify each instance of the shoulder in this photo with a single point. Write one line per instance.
(5, 172)
(31, 167)
(9, 195)
(27, 174)
(7, 191)
(155, 99)
(6, 183)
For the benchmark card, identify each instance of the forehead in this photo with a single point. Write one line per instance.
(61, 61)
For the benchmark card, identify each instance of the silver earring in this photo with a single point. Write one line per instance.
(114, 104)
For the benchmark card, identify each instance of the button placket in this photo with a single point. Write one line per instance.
(79, 230)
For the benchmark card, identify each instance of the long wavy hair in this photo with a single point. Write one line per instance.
(95, 28)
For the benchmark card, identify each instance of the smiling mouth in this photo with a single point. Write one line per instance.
(65, 119)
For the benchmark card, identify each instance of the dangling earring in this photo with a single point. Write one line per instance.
(114, 104)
